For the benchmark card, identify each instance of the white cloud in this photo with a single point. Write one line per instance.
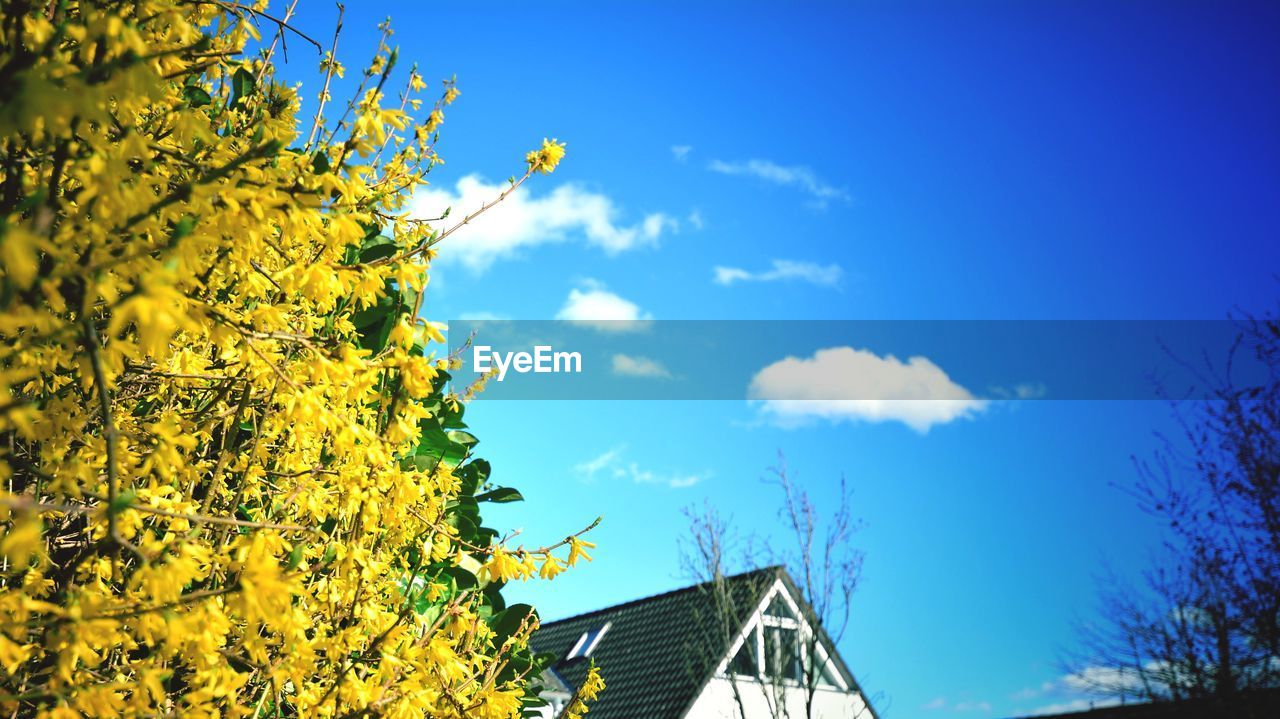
(525, 219)
(681, 152)
(1072, 692)
(482, 317)
(1095, 678)
(796, 176)
(783, 270)
(939, 703)
(695, 220)
(847, 384)
(590, 468)
(610, 464)
(1075, 705)
(629, 366)
(675, 481)
(1034, 692)
(592, 303)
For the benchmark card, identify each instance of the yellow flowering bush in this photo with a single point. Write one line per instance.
(233, 479)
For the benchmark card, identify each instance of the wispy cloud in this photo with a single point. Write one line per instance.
(681, 152)
(525, 220)
(1077, 692)
(610, 465)
(1072, 706)
(797, 176)
(482, 316)
(782, 270)
(941, 703)
(591, 467)
(1034, 692)
(630, 366)
(843, 384)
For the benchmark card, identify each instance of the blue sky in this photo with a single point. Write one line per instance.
(919, 160)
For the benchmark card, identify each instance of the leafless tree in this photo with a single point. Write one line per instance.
(816, 546)
(1204, 623)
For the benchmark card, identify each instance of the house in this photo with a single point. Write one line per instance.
(745, 646)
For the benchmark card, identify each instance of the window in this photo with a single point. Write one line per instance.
(779, 608)
(744, 662)
(778, 646)
(782, 653)
(587, 642)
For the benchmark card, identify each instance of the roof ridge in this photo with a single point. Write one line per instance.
(740, 575)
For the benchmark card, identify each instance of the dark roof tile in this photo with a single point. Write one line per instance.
(658, 652)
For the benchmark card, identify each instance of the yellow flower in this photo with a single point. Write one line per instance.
(22, 541)
(577, 550)
(501, 566)
(545, 158)
(216, 388)
(18, 256)
(592, 685)
(551, 567)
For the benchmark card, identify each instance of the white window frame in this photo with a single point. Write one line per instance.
(586, 651)
(804, 638)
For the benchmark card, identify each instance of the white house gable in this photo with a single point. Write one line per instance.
(776, 666)
(671, 656)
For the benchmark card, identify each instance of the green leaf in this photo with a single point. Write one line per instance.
(182, 228)
(473, 475)
(466, 439)
(453, 419)
(508, 621)
(295, 556)
(458, 578)
(320, 162)
(242, 84)
(122, 502)
(376, 248)
(196, 96)
(501, 495)
(436, 444)
(493, 597)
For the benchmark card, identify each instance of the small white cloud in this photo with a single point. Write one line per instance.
(1078, 691)
(1034, 692)
(847, 384)
(644, 476)
(939, 703)
(1075, 705)
(695, 220)
(629, 366)
(1024, 391)
(525, 219)
(590, 468)
(783, 270)
(595, 305)
(681, 152)
(796, 176)
(610, 463)
(1092, 679)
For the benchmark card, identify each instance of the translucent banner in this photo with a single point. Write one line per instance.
(959, 361)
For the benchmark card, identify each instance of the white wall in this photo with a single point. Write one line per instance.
(717, 702)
